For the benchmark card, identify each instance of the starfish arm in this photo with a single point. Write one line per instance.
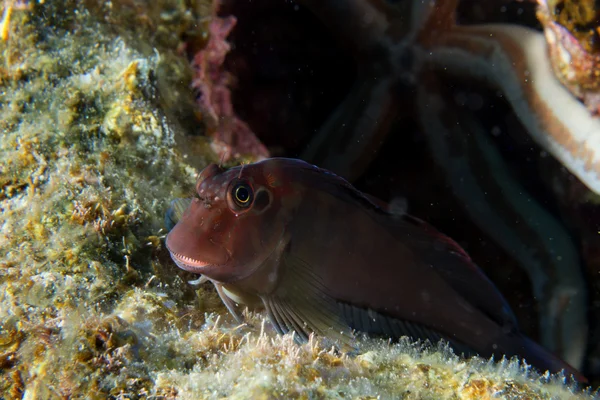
(362, 26)
(502, 208)
(514, 59)
(350, 138)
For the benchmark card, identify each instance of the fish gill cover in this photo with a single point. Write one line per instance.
(98, 133)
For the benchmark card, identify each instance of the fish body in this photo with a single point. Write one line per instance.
(323, 258)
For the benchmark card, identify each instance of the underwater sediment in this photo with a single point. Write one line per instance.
(99, 131)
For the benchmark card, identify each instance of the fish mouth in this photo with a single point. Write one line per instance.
(189, 264)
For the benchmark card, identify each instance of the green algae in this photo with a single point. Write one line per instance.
(98, 134)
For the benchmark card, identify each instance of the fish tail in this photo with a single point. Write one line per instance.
(543, 360)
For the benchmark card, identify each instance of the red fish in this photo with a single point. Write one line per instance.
(324, 258)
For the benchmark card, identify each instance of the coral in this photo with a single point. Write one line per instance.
(572, 29)
(98, 134)
(232, 136)
(581, 18)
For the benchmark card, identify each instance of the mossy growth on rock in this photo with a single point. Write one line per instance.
(98, 134)
(91, 152)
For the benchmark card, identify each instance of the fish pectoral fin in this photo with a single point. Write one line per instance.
(301, 305)
(197, 282)
(229, 303)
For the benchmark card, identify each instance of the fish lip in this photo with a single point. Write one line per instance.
(189, 264)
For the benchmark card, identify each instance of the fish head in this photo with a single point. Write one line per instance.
(234, 223)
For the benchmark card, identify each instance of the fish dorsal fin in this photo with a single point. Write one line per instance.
(334, 185)
(437, 236)
(454, 265)
(300, 304)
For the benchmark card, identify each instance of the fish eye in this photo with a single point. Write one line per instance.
(242, 195)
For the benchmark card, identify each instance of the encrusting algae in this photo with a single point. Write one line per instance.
(98, 134)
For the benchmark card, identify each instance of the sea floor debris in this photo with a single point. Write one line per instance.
(97, 136)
